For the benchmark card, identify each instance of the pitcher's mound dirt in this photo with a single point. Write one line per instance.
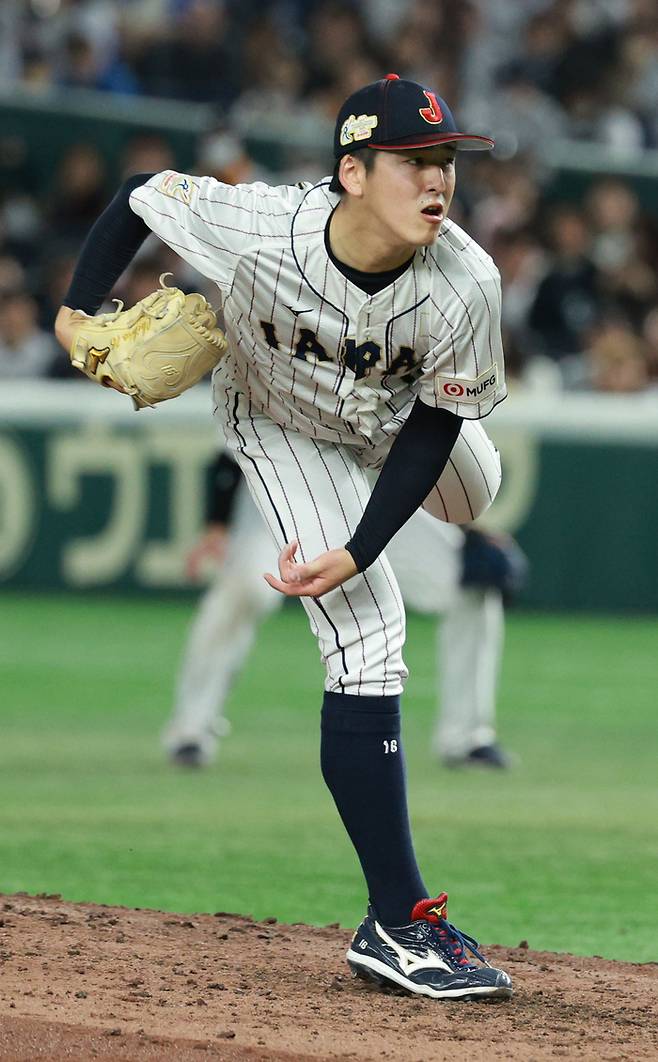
(82, 982)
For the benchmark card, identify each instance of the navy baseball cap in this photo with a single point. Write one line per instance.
(396, 114)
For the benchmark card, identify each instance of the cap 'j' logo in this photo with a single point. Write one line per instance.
(360, 128)
(431, 114)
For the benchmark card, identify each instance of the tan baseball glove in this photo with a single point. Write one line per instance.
(154, 351)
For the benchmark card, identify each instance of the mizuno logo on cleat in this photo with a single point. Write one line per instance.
(411, 963)
(440, 912)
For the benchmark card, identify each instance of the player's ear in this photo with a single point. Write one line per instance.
(352, 174)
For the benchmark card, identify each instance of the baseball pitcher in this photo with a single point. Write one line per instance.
(362, 332)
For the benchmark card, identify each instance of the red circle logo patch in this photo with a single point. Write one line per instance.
(454, 390)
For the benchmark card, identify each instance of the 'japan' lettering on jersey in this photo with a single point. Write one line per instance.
(309, 348)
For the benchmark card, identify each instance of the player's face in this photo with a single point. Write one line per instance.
(409, 193)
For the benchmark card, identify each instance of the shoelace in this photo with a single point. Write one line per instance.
(145, 309)
(458, 943)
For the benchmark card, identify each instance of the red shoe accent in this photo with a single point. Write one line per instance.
(431, 910)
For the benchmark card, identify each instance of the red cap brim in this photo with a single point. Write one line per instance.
(466, 141)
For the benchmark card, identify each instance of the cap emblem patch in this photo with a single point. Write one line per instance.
(431, 114)
(357, 128)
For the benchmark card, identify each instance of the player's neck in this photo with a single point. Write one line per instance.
(354, 243)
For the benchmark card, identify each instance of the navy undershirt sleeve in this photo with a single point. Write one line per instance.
(414, 463)
(111, 245)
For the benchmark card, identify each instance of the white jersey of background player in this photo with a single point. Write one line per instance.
(363, 332)
(469, 640)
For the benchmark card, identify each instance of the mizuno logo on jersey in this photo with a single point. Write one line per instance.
(357, 128)
(463, 390)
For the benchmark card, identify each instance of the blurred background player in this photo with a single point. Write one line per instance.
(467, 581)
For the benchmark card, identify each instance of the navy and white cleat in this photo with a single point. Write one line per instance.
(429, 956)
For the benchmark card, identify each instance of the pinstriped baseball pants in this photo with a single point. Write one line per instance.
(315, 491)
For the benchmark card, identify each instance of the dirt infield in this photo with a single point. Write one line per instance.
(81, 982)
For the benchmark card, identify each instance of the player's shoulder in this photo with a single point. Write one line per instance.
(298, 211)
(271, 206)
(458, 257)
(269, 200)
(265, 197)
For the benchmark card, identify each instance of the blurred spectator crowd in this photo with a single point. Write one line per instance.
(580, 278)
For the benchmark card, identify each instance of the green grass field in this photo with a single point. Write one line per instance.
(561, 851)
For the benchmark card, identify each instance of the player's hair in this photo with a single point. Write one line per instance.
(368, 159)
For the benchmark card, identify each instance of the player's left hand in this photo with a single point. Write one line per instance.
(315, 578)
(154, 351)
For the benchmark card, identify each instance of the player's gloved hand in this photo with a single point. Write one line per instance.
(154, 351)
(315, 578)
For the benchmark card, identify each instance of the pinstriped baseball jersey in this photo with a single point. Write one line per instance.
(310, 349)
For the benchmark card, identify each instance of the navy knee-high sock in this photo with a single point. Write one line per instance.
(363, 766)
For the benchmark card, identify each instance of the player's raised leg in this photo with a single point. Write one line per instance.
(470, 481)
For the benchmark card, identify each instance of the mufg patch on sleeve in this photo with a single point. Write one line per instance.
(460, 389)
(177, 186)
